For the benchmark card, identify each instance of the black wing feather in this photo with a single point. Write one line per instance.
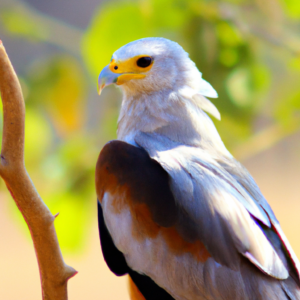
(116, 262)
(114, 258)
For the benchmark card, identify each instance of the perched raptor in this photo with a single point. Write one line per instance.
(176, 211)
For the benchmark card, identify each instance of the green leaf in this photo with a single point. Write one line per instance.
(292, 8)
(116, 25)
(20, 24)
(239, 87)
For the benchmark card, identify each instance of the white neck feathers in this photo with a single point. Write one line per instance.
(175, 114)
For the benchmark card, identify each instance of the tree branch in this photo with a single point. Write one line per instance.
(69, 37)
(54, 272)
(265, 139)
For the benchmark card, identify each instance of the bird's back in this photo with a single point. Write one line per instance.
(143, 220)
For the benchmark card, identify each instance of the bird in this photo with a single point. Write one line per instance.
(176, 211)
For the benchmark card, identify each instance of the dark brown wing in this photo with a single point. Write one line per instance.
(121, 165)
(123, 169)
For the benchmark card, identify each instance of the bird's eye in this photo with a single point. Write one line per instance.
(144, 62)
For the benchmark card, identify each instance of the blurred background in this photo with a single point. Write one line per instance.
(249, 50)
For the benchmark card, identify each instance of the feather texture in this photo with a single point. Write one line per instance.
(175, 202)
(228, 272)
(217, 204)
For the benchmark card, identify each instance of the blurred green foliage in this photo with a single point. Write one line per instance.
(248, 50)
(18, 23)
(235, 44)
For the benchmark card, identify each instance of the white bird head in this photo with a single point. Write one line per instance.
(163, 92)
(151, 65)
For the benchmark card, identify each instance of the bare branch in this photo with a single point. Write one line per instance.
(69, 37)
(284, 38)
(54, 272)
(265, 139)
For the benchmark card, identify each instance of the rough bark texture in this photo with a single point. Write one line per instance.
(54, 272)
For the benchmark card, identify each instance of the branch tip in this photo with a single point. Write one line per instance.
(12, 169)
(70, 272)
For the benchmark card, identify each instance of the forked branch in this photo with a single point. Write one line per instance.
(54, 272)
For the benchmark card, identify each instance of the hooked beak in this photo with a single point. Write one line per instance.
(108, 77)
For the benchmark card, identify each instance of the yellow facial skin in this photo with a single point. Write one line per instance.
(130, 67)
(120, 72)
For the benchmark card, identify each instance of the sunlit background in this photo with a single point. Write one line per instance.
(249, 50)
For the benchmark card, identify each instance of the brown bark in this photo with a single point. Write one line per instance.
(54, 273)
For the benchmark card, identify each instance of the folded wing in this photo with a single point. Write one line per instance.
(219, 207)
